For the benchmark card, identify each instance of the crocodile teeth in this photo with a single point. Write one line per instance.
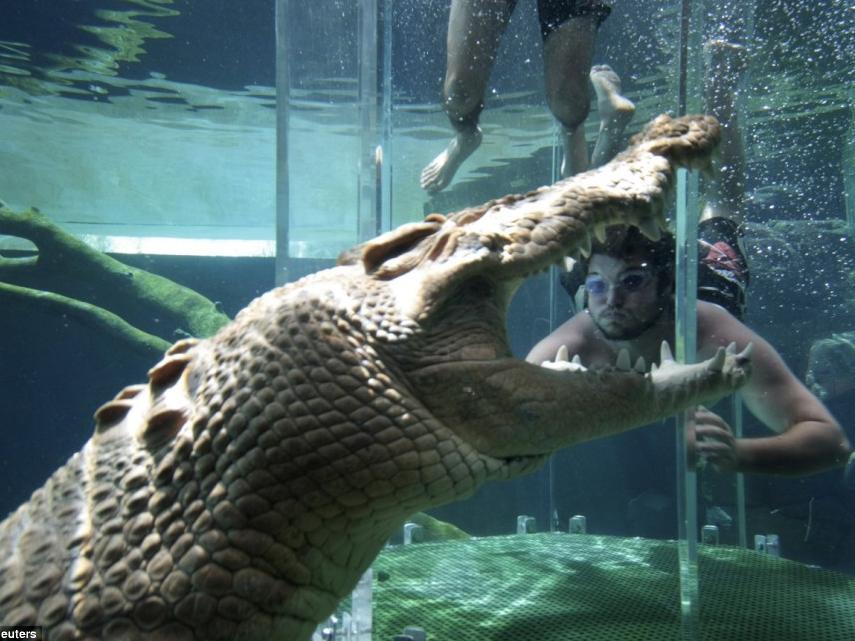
(585, 246)
(562, 364)
(623, 362)
(640, 365)
(600, 232)
(665, 354)
(717, 362)
(731, 349)
(650, 229)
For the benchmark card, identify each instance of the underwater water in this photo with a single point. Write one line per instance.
(152, 130)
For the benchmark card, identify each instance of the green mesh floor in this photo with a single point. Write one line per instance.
(545, 587)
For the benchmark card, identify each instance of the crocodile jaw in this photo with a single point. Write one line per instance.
(508, 409)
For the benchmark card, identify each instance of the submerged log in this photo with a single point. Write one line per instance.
(71, 271)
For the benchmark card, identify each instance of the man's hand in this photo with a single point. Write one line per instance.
(714, 441)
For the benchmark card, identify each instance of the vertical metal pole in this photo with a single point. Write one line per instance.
(372, 160)
(385, 221)
(685, 339)
(556, 315)
(370, 157)
(361, 607)
(282, 171)
(741, 523)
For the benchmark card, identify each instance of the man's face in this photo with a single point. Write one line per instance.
(622, 297)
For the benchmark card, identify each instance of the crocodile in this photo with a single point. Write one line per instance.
(242, 491)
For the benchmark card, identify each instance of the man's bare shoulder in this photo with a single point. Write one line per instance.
(717, 327)
(576, 333)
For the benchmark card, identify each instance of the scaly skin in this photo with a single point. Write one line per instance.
(242, 491)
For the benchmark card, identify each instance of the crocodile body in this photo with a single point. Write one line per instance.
(242, 491)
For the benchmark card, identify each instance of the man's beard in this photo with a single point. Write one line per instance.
(628, 333)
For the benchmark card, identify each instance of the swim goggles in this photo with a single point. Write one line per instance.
(631, 280)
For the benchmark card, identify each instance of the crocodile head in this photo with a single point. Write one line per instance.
(245, 488)
(440, 289)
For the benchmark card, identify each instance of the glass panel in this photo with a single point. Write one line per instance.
(516, 155)
(521, 150)
(517, 132)
(321, 47)
(789, 100)
(607, 482)
(624, 486)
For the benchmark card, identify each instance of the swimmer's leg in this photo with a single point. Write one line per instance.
(475, 29)
(567, 53)
(723, 274)
(725, 192)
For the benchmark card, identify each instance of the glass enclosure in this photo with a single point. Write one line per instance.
(233, 147)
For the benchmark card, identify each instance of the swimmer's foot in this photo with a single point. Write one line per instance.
(615, 110)
(438, 174)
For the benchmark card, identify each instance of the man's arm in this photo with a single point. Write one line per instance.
(808, 438)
